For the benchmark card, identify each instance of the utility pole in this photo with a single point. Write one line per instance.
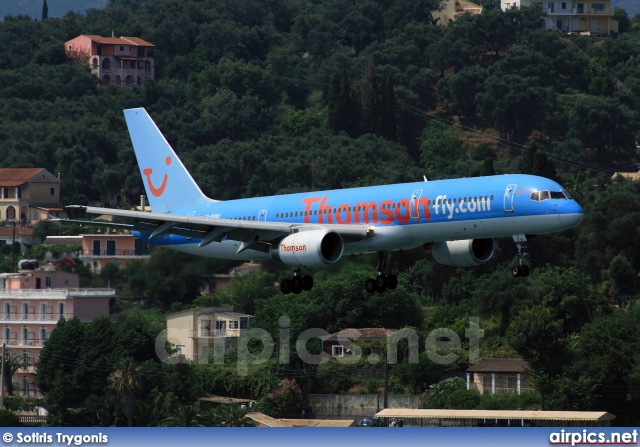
(13, 250)
(4, 348)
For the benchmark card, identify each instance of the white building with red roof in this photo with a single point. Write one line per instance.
(115, 60)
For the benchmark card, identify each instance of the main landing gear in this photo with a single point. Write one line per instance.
(383, 281)
(296, 284)
(521, 269)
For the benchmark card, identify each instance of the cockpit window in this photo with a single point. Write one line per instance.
(539, 196)
(557, 195)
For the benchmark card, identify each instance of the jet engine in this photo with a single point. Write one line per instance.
(312, 249)
(463, 253)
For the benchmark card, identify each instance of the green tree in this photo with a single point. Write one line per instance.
(439, 393)
(288, 397)
(187, 415)
(460, 89)
(622, 276)
(125, 381)
(602, 125)
(231, 415)
(537, 337)
(513, 104)
(12, 363)
(440, 150)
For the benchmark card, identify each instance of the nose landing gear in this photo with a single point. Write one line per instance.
(521, 269)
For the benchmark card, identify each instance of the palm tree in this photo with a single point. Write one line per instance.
(125, 380)
(185, 416)
(230, 415)
(12, 362)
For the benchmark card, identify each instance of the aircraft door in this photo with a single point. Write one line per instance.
(509, 195)
(415, 204)
(262, 216)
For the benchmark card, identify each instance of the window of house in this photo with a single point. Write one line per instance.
(7, 311)
(122, 48)
(564, 5)
(61, 310)
(43, 334)
(43, 311)
(243, 324)
(597, 7)
(53, 191)
(7, 335)
(19, 192)
(338, 351)
(25, 311)
(5, 193)
(25, 386)
(69, 47)
(48, 282)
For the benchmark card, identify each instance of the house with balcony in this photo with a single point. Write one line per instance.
(499, 376)
(29, 195)
(32, 303)
(200, 332)
(588, 18)
(450, 10)
(114, 60)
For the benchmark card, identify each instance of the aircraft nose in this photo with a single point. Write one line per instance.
(570, 214)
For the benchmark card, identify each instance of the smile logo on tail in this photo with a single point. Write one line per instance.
(157, 192)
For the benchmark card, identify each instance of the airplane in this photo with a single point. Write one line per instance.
(457, 218)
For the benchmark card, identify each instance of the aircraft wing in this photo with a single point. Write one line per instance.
(256, 235)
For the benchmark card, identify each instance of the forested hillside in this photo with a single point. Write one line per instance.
(55, 8)
(288, 95)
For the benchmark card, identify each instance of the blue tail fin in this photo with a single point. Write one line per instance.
(169, 185)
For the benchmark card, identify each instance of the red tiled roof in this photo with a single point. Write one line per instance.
(499, 366)
(124, 40)
(7, 230)
(366, 333)
(17, 176)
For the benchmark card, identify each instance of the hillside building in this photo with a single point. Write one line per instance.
(114, 60)
(32, 303)
(450, 10)
(584, 17)
(29, 195)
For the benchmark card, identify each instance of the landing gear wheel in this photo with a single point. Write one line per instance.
(285, 286)
(307, 282)
(381, 283)
(525, 271)
(392, 282)
(516, 271)
(370, 285)
(296, 284)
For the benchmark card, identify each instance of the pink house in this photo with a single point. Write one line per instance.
(118, 60)
(101, 249)
(32, 303)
